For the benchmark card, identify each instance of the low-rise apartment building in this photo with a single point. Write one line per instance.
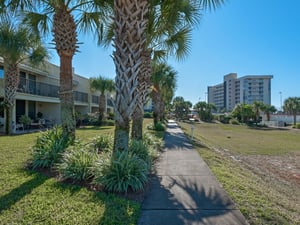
(246, 89)
(38, 92)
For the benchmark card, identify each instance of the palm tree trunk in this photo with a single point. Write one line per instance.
(156, 108)
(66, 96)
(65, 38)
(130, 40)
(144, 84)
(102, 107)
(11, 84)
(137, 124)
(161, 111)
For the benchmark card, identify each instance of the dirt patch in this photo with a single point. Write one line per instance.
(285, 168)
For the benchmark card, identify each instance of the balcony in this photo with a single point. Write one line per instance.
(80, 96)
(37, 88)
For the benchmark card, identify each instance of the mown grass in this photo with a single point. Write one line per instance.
(28, 197)
(256, 196)
(246, 140)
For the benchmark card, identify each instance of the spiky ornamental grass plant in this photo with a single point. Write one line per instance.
(77, 163)
(49, 148)
(138, 148)
(125, 171)
(103, 143)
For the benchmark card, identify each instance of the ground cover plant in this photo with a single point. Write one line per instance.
(28, 197)
(258, 167)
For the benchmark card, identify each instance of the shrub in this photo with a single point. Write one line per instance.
(148, 115)
(77, 163)
(111, 116)
(298, 125)
(125, 171)
(159, 127)
(103, 143)
(48, 147)
(234, 121)
(25, 120)
(108, 123)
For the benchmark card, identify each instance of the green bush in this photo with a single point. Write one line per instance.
(159, 127)
(49, 147)
(298, 125)
(125, 171)
(103, 143)
(148, 115)
(108, 123)
(77, 163)
(25, 120)
(234, 121)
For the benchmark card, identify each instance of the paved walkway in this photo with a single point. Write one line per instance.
(184, 190)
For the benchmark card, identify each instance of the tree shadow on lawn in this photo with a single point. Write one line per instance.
(15, 195)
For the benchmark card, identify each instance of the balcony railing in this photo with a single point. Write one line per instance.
(38, 88)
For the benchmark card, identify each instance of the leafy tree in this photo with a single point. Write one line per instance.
(243, 112)
(181, 107)
(17, 44)
(292, 105)
(64, 18)
(103, 85)
(204, 110)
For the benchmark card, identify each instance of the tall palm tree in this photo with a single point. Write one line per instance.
(168, 33)
(130, 23)
(292, 106)
(103, 85)
(257, 108)
(268, 109)
(164, 82)
(17, 44)
(64, 18)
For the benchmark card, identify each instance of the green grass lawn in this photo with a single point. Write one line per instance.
(245, 140)
(261, 198)
(28, 197)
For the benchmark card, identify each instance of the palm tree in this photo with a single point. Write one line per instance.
(292, 106)
(164, 82)
(168, 33)
(181, 107)
(268, 109)
(130, 23)
(17, 44)
(257, 108)
(58, 17)
(103, 85)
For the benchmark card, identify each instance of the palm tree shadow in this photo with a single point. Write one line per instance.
(15, 195)
(181, 200)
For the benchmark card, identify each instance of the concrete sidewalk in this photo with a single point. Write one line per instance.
(183, 190)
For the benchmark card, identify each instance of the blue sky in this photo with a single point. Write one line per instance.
(257, 37)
